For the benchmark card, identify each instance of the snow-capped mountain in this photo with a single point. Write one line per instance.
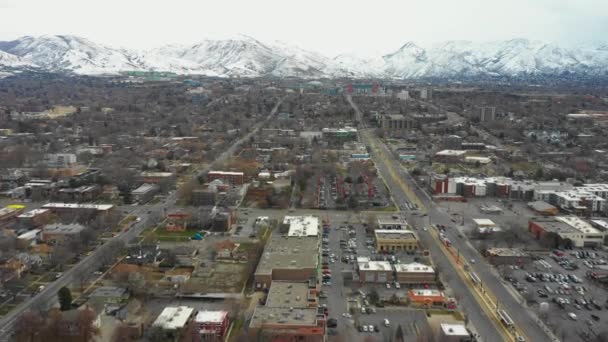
(249, 57)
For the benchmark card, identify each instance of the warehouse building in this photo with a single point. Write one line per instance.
(568, 228)
(288, 258)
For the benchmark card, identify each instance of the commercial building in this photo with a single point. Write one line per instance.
(568, 228)
(302, 226)
(293, 294)
(454, 333)
(391, 223)
(294, 258)
(484, 225)
(508, 256)
(339, 134)
(395, 240)
(414, 273)
(73, 208)
(427, 297)
(145, 192)
(290, 313)
(60, 160)
(234, 178)
(212, 325)
(396, 122)
(173, 319)
(449, 156)
(287, 324)
(157, 177)
(61, 233)
(374, 271)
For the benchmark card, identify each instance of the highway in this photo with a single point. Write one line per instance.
(403, 187)
(92, 262)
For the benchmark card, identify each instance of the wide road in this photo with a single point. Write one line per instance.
(88, 264)
(485, 325)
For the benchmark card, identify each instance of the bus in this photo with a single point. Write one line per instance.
(505, 318)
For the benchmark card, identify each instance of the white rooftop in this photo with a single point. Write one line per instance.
(375, 266)
(210, 316)
(78, 206)
(414, 267)
(29, 235)
(302, 225)
(227, 173)
(173, 317)
(601, 223)
(33, 213)
(483, 222)
(451, 153)
(454, 329)
(579, 224)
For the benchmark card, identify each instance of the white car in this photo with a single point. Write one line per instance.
(388, 285)
(397, 285)
(386, 322)
(365, 328)
(572, 316)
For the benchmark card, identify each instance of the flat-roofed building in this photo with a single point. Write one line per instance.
(508, 256)
(59, 233)
(302, 294)
(485, 226)
(173, 319)
(294, 258)
(212, 325)
(427, 297)
(568, 228)
(287, 324)
(374, 271)
(145, 192)
(35, 217)
(235, 178)
(395, 240)
(449, 156)
(78, 208)
(391, 223)
(302, 226)
(414, 273)
(454, 333)
(157, 177)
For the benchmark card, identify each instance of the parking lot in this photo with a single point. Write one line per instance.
(349, 302)
(573, 304)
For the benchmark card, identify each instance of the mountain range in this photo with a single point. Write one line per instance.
(245, 56)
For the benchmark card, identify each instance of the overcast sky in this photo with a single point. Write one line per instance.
(327, 26)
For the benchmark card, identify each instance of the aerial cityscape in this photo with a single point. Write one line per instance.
(247, 187)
